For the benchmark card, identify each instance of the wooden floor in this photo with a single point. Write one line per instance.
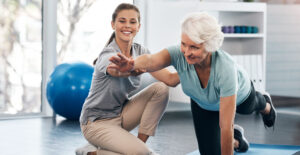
(175, 134)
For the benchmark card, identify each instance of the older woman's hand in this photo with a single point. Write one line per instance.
(122, 63)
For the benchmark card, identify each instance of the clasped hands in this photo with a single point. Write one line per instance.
(124, 64)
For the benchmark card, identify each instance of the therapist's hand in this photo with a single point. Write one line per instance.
(122, 63)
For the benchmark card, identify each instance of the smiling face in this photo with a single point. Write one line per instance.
(126, 25)
(193, 53)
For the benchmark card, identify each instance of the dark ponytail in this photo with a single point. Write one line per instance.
(123, 6)
(112, 37)
(108, 42)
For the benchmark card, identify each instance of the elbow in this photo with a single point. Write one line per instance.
(173, 84)
(170, 85)
(174, 80)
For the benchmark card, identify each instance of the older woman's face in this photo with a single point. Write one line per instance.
(193, 53)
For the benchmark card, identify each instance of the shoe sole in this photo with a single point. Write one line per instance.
(240, 129)
(271, 104)
(84, 150)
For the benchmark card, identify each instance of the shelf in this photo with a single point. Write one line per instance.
(231, 7)
(241, 35)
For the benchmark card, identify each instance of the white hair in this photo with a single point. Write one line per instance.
(203, 28)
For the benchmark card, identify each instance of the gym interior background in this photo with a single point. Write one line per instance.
(37, 36)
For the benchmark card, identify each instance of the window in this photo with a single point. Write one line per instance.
(20, 57)
(83, 28)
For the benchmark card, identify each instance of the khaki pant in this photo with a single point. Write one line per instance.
(144, 109)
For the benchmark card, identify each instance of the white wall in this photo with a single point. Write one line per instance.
(283, 50)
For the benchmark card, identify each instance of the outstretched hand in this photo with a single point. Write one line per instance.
(121, 63)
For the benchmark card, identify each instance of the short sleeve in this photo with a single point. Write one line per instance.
(175, 54)
(103, 61)
(228, 81)
(139, 50)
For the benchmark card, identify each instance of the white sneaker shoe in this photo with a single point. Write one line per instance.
(152, 151)
(84, 150)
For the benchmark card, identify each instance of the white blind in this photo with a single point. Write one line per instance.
(283, 50)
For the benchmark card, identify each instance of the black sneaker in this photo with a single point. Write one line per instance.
(239, 136)
(269, 119)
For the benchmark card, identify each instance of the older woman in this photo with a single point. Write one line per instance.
(217, 86)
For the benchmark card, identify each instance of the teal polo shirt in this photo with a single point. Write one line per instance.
(226, 79)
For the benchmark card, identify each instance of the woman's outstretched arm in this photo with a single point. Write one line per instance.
(147, 62)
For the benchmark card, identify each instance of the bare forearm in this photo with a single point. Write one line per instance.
(227, 113)
(147, 62)
(167, 77)
(227, 141)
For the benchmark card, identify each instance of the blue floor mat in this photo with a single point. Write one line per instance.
(265, 149)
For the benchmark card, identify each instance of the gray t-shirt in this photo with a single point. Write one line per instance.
(108, 94)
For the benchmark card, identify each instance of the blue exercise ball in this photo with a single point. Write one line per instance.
(68, 87)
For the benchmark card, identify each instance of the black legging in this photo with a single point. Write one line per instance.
(206, 123)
